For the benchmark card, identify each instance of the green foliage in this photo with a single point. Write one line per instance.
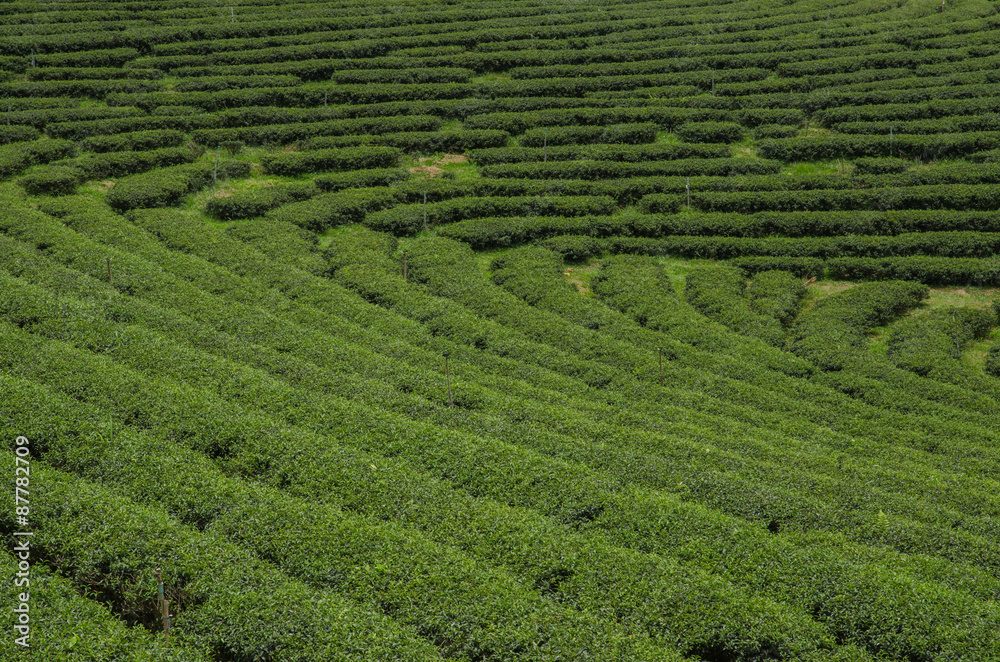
(765, 131)
(17, 156)
(833, 331)
(166, 186)
(992, 366)
(255, 201)
(599, 152)
(709, 132)
(136, 141)
(296, 163)
(850, 146)
(929, 270)
(801, 267)
(328, 210)
(409, 219)
(601, 470)
(883, 166)
(586, 169)
(267, 126)
(361, 179)
(635, 133)
(282, 242)
(776, 294)
(120, 164)
(573, 248)
(17, 133)
(52, 180)
(718, 292)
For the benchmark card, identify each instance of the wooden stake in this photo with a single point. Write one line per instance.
(447, 377)
(425, 210)
(215, 173)
(828, 16)
(166, 619)
(111, 278)
(163, 604)
(32, 58)
(687, 187)
(232, 14)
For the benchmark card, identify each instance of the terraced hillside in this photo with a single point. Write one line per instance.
(534, 330)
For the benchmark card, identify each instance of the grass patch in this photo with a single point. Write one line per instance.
(450, 166)
(677, 269)
(579, 275)
(828, 167)
(744, 149)
(974, 353)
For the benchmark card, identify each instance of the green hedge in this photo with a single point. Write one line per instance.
(408, 219)
(709, 132)
(611, 169)
(963, 197)
(833, 331)
(992, 365)
(361, 179)
(820, 224)
(64, 623)
(849, 146)
(282, 242)
(16, 157)
(357, 158)
(517, 123)
(599, 152)
(503, 231)
(247, 203)
(633, 133)
(331, 209)
(120, 164)
(166, 186)
(931, 346)
(17, 133)
(776, 294)
(880, 166)
(52, 180)
(719, 293)
(136, 141)
(81, 129)
(426, 142)
(261, 131)
(929, 270)
(213, 583)
(801, 267)
(766, 131)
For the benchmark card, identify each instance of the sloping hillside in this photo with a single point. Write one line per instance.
(501, 331)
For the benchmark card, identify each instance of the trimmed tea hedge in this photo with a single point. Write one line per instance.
(166, 186)
(357, 158)
(246, 203)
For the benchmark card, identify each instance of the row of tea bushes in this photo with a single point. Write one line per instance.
(718, 292)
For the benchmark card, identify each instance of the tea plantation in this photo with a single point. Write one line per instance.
(535, 330)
